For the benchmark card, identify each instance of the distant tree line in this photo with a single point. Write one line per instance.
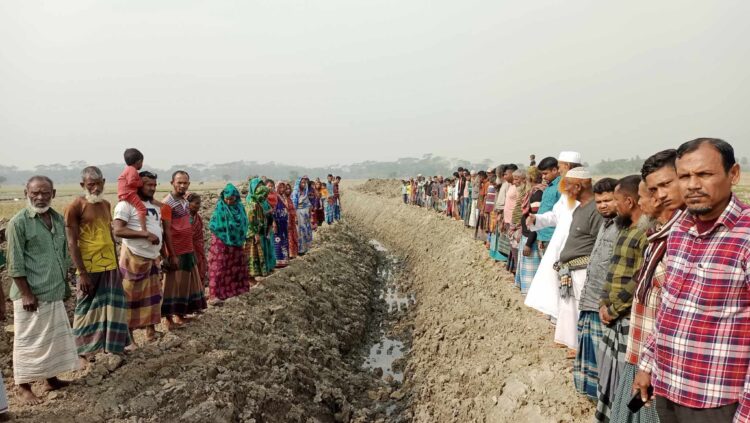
(241, 170)
(238, 171)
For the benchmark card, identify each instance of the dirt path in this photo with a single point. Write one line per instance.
(478, 353)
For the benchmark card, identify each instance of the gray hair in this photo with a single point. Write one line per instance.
(42, 178)
(92, 172)
(520, 173)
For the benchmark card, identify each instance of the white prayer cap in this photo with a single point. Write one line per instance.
(419, 174)
(473, 172)
(569, 157)
(578, 173)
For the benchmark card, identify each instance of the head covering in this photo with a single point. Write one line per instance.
(259, 194)
(578, 173)
(297, 194)
(229, 223)
(273, 198)
(569, 157)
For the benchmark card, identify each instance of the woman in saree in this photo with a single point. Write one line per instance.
(312, 194)
(268, 208)
(301, 202)
(292, 213)
(257, 245)
(199, 243)
(329, 201)
(318, 207)
(280, 225)
(227, 263)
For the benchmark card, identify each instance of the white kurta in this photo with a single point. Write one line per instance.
(566, 329)
(544, 292)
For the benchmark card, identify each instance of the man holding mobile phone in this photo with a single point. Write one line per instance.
(661, 203)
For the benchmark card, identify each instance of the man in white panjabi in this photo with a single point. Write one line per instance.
(575, 255)
(544, 292)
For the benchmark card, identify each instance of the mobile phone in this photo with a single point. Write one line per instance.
(637, 403)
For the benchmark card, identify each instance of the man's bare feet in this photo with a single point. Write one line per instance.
(83, 362)
(53, 384)
(178, 320)
(571, 354)
(26, 396)
(151, 333)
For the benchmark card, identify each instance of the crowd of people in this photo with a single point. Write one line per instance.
(646, 278)
(160, 272)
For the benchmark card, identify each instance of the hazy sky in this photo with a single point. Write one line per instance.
(336, 81)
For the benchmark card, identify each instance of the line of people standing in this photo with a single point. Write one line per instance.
(160, 271)
(646, 278)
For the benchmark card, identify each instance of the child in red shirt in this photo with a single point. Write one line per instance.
(129, 182)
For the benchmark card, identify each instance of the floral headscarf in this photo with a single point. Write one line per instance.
(229, 223)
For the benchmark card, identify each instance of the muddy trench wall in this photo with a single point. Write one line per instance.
(288, 351)
(478, 354)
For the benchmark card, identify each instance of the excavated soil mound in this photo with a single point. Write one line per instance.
(387, 188)
(288, 351)
(478, 354)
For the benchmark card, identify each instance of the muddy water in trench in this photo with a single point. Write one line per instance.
(386, 354)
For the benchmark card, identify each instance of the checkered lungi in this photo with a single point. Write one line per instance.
(611, 359)
(585, 368)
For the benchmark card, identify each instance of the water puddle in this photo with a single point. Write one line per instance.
(387, 348)
(383, 354)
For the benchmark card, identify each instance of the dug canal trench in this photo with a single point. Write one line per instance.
(394, 316)
(294, 349)
(477, 354)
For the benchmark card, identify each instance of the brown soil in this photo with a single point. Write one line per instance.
(288, 351)
(478, 354)
(292, 349)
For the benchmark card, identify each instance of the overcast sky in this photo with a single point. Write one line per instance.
(337, 81)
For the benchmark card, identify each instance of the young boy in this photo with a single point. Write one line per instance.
(129, 182)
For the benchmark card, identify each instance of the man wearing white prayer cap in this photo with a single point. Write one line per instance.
(575, 254)
(569, 157)
(544, 292)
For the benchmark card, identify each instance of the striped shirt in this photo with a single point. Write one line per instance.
(177, 213)
(38, 254)
(699, 352)
(627, 257)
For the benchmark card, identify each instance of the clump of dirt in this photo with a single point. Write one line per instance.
(478, 354)
(288, 351)
(388, 188)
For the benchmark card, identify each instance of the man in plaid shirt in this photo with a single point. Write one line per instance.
(617, 295)
(661, 201)
(698, 355)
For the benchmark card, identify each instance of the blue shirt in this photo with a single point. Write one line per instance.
(549, 199)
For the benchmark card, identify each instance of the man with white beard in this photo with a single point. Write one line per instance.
(544, 292)
(43, 344)
(101, 315)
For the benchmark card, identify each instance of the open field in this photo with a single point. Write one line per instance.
(11, 196)
(12, 199)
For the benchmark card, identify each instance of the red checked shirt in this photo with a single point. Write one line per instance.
(699, 352)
